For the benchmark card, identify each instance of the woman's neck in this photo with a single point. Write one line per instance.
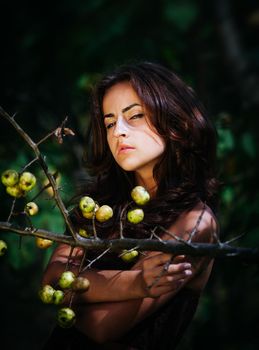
(148, 182)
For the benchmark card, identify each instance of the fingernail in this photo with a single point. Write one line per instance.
(187, 266)
(188, 272)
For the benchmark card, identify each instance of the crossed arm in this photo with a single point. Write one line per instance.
(118, 300)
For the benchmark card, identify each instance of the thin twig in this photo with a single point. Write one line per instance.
(97, 258)
(28, 165)
(69, 258)
(122, 218)
(11, 211)
(153, 232)
(93, 223)
(71, 299)
(82, 262)
(195, 229)
(235, 238)
(162, 273)
(46, 137)
(175, 237)
(52, 132)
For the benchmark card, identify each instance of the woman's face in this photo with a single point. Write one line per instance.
(134, 143)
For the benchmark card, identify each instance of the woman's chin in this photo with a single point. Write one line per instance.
(128, 166)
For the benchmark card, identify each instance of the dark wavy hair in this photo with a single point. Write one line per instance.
(186, 172)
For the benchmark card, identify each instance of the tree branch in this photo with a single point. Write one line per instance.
(44, 166)
(249, 255)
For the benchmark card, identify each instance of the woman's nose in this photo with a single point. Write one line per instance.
(120, 128)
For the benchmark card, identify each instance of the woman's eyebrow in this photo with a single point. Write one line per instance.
(123, 110)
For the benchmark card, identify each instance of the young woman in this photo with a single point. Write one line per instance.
(147, 129)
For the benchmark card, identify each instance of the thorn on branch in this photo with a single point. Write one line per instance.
(235, 238)
(174, 236)
(14, 115)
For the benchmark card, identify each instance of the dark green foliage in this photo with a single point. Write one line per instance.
(50, 57)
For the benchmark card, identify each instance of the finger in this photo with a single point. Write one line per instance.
(176, 268)
(178, 258)
(157, 260)
(176, 277)
(169, 279)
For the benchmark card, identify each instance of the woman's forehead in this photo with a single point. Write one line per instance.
(119, 97)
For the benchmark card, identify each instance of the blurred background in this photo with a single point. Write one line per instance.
(51, 56)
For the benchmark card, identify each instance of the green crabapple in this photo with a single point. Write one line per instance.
(80, 284)
(58, 297)
(135, 215)
(9, 177)
(83, 233)
(87, 204)
(129, 255)
(91, 213)
(66, 279)
(104, 213)
(3, 247)
(27, 181)
(66, 317)
(43, 243)
(140, 195)
(31, 208)
(46, 294)
(15, 191)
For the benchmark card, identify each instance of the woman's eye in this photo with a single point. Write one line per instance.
(136, 116)
(110, 125)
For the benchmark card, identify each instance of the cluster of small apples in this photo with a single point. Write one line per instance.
(18, 185)
(90, 208)
(68, 281)
(3, 247)
(140, 196)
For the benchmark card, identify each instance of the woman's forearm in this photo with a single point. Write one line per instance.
(104, 322)
(105, 285)
(118, 285)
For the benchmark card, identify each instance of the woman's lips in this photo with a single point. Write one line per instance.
(125, 149)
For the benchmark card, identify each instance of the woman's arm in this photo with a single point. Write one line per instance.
(116, 285)
(105, 322)
(109, 321)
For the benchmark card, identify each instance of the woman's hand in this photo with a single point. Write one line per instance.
(160, 273)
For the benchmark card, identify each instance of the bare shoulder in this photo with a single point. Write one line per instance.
(201, 219)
